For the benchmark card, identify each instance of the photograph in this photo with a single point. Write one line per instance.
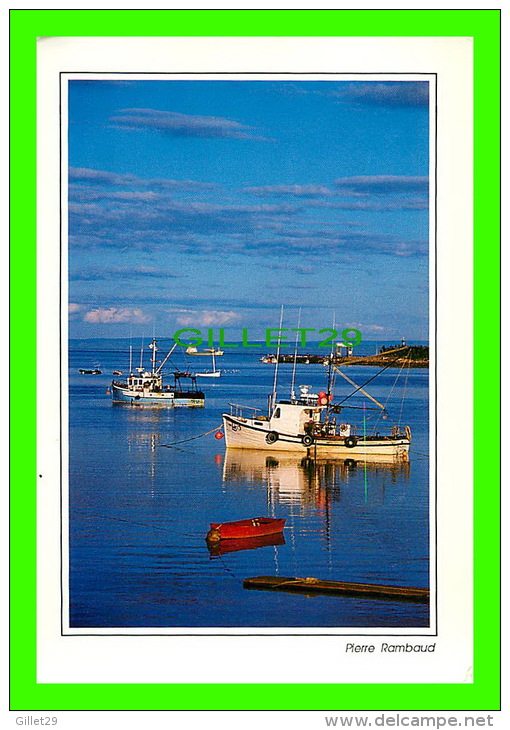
(249, 267)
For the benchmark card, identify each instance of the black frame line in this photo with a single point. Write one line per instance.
(432, 529)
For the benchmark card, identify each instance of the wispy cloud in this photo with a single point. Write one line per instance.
(90, 176)
(374, 93)
(74, 310)
(238, 230)
(344, 244)
(124, 212)
(382, 185)
(117, 222)
(363, 328)
(381, 205)
(387, 93)
(300, 269)
(183, 125)
(297, 191)
(122, 272)
(116, 315)
(205, 318)
(366, 188)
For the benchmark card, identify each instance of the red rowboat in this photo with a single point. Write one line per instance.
(256, 527)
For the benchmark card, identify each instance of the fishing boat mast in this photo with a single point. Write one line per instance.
(292, 392)
(272, 402)
(140, 367)
(154, 348)
(330, 372)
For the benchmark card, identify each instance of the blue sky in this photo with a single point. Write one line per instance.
(211, 203)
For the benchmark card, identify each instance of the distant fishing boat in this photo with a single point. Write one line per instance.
(256, 527)
(83, 371)
(146, 387)
(208, 351)
(117, 372)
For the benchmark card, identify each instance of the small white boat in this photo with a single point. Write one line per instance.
(208, 373)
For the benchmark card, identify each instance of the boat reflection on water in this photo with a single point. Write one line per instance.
(294, 479)
(222, 547)
(146, 432)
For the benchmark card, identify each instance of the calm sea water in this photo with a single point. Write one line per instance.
(139, 511)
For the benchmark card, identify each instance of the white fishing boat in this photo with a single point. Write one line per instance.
(146, 387)
(214, 373)
(298, 425)
(311, 423)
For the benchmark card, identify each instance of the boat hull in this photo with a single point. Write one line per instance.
(245, 434)
(166, 399)
(222, 547)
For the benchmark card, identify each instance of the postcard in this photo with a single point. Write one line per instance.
(255, 433)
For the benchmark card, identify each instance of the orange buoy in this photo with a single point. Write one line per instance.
(218, 435)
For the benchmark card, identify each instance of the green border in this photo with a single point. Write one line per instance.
(484, 27)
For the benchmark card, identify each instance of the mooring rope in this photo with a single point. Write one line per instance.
(193, 438)
(134, 522)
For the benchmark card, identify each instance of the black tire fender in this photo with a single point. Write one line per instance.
(350, 441)
(307, 440)
(272, 437)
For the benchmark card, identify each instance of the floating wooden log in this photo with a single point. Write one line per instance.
(338, 588)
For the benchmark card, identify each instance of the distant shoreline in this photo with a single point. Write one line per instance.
(365, 361)
(382, 362)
